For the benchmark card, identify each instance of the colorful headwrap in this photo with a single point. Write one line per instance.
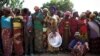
(53, 9)
(46, 9)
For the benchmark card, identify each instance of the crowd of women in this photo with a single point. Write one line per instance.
(26, 33)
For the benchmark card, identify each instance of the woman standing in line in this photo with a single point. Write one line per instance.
(64, 30)
(38, 18)
(18, 33)
(94, 34)
(6, 30)
(83, 29)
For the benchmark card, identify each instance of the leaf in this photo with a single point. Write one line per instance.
(60, 4)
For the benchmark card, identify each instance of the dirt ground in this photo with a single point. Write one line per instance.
(63, 54)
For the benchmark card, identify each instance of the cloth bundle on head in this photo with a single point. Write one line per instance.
(46, 9)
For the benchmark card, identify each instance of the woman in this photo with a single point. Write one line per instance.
(38, 18)
(64, 30)
(82, 25)
(46, 24)
(94, 35)
(6, 30)
(28, 36)
(52, 28)
(73, 25)
(18, 33)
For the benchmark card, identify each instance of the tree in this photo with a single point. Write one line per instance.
(2, 3)
(11, 3)
(60, 4)
(15, 3)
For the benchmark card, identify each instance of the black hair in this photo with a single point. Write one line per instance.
(88, 14)
(29, 13)
(99, 14)
(17, 11)
(59, 13)
(96, 13)
(6, 12)
(25, 11)
(75, 14)
(1, 13)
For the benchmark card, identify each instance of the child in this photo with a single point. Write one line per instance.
(77, 46)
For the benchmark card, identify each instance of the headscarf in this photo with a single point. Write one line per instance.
(53, 9)
(45, 9)
(67, 13)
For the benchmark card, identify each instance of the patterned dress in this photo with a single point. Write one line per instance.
(83, 29)
(18, 36)
(52, 28)
(64, 29)
(94, 37)
(6, 27)
(38, 30)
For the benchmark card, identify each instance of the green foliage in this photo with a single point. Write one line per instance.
(11, 3)
(2, 3)
(60, 4)
(16, 3)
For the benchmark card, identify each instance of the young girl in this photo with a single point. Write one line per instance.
(77, 46)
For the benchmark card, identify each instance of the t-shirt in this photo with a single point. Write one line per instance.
(5, 22)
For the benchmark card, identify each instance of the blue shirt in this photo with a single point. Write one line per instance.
(5, 22)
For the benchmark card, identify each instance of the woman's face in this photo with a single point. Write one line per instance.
(66, 16)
